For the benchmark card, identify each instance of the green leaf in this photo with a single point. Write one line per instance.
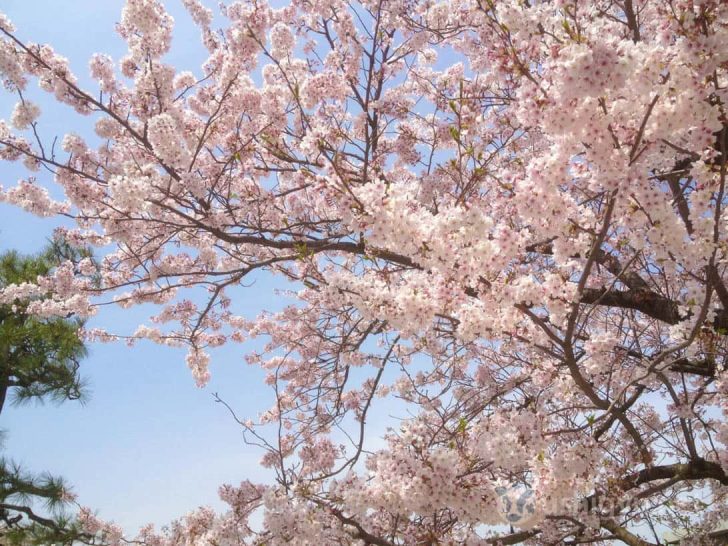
(462, 425)
(302, 250)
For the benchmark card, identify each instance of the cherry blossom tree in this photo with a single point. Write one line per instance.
(505, 217)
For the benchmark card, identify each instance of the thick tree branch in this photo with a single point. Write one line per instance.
(623, 534)
(706, 367)
(698, 469)
(645, 301)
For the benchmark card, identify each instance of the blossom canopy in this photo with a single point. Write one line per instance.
(509, 216)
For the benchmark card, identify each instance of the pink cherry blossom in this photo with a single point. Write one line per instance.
(503, 229)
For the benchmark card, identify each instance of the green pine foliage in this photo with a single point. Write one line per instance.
(38, 357)
(39, 360)
(23, 496)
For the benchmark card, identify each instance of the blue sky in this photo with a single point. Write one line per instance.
(149, 445)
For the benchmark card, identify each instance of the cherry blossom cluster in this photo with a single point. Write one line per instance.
(503, 229)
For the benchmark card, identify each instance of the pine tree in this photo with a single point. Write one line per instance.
(39, 360)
